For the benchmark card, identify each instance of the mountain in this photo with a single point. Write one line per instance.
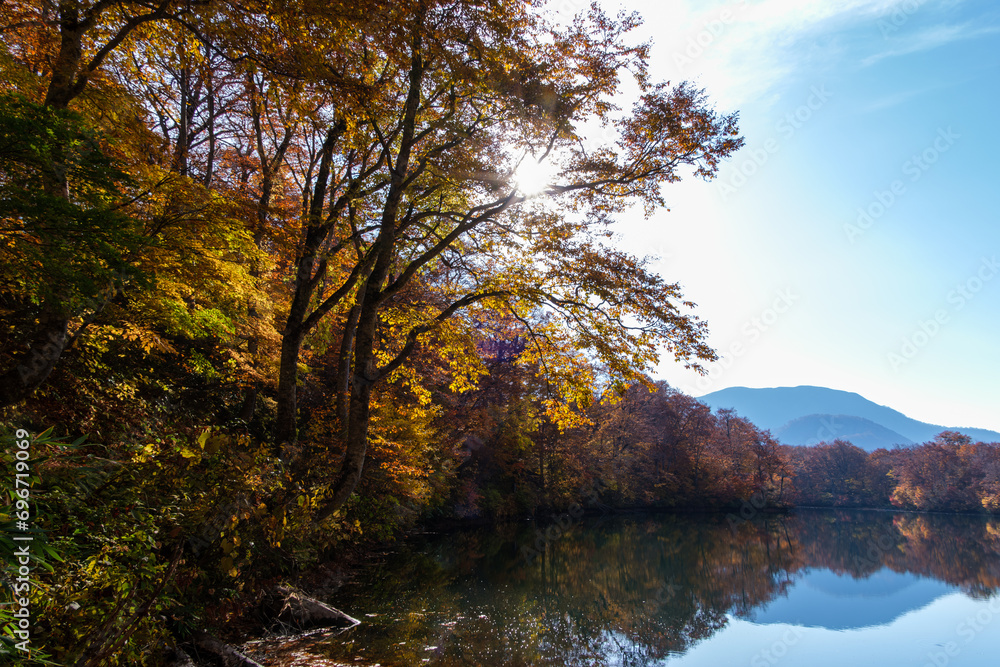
(820, 598)
(813, 429)
(807, 415)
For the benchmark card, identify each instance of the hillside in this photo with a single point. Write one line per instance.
(813, 429)
(806, 415)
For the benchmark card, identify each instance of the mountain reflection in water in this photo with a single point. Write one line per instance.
(809, 588)
(824, 599)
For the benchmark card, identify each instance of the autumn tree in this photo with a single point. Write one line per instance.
(416, 173)
(207, 202)
(63, 46)
(753, 460)
(836, 473)
(938, 475)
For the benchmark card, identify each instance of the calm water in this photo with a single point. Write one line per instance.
(813, 588)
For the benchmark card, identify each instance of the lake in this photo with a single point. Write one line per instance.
(812, 588)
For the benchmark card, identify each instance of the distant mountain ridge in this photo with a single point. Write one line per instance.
(807, 415)
(866, 434)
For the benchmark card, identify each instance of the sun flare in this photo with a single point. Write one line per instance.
(533, 178)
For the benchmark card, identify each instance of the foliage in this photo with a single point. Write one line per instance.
(69, 250)
(275, 261)
(950, 473)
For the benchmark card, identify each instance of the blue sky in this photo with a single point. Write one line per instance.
(853, 243)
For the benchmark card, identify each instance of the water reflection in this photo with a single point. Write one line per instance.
(824, 599)
(684, 590)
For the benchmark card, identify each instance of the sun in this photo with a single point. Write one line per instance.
(532, 178)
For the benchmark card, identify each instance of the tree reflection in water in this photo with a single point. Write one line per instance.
(630, 590)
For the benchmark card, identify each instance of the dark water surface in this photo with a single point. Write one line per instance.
(812, 588)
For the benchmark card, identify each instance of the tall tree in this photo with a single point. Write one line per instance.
(427, 158)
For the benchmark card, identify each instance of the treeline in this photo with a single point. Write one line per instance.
(949, 474)
(650, 446)
(653, 446)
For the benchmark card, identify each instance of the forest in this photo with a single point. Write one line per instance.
(274, 290)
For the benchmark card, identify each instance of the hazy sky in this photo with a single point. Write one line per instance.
(853, 243)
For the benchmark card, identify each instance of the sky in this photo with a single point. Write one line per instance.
(853, 242)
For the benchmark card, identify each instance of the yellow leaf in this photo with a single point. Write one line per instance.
(189, 453)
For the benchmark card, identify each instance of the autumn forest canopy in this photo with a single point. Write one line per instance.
(271, 288)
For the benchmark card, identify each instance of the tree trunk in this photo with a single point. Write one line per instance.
(183, 123)
(263, 206)
(359, 416)
(285, 419)
(249, 405)
(224, 653)
(359, 412)
(210, 160)
(344, 370)
(64, 86)
(285, 432)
